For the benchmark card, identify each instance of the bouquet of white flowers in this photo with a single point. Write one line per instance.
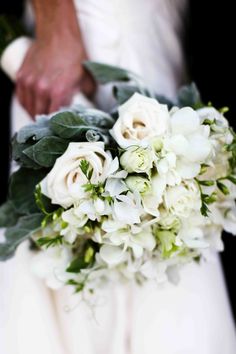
(133, 194)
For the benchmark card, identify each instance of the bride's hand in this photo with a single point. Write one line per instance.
(52, 71)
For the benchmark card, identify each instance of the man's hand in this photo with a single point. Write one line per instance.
(52, 70)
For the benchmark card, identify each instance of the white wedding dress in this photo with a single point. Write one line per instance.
(190, 318)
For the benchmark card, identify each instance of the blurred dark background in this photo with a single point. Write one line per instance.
(209, 45)
(210, 52)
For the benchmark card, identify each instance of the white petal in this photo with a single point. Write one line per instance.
(115, 187)
(111, 226)
(113, 166)
(137, 250)
(188, 169)
(145, 239)
(125, 213)
(99, 206)
(199, 148)
(112, 255)
(185, 121)
(178, 144)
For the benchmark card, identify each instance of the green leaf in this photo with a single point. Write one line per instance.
(79, 286)
(123, 92)
(74, 125)
(204, 168)
(21, 190)
(68, 125)
(95, 118)
(232, 179)
(77, 264)
(104, 73)
(209, 121)
(24, 228)
(209, 199)
(84, 166)
(165, 100)
(189, 96)
(71, 125)
(19, 156)
(206, 183)
(222, 187)
(167, 239)
(8, 215)
(50, 241)
(204, 209)
(84, 259)
(47, 150)
(44, 203)
(37, 130)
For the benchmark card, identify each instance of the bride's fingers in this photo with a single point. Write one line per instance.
(42, 98)
(87, 85)
(58, 101)
(25, 92)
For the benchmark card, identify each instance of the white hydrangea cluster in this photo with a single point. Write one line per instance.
(163, 199)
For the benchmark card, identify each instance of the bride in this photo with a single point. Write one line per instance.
(192, 317)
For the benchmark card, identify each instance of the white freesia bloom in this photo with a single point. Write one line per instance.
(112, 255)
(189, 141)
(212, 114)
(140, 119)
(224, 214)
(137, 159)
(127, 209)
(64, 183)
(154, 198)
(75, 220)
(167, 167)
(193, 236)
(115, 182)
(118, 242)
(183, 199)
(94, 209)
(51, 264)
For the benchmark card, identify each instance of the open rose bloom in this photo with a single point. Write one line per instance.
(105, 197)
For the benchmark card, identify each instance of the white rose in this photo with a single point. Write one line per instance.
(64, 183)
(137, 183)
(183, 199)
(140, 118)
(137, 159)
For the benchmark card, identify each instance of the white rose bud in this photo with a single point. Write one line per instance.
(137, 159)
(140, 119)
(139, 184)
